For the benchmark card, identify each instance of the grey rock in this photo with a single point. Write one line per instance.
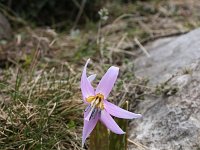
(181, 80)
(173, 122)
(168, 56)
(5, 29)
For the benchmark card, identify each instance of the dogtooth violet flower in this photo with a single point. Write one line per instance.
(98, 107)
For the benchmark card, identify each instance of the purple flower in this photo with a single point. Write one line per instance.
(98, 107)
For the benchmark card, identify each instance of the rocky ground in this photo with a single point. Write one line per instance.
(171, 121)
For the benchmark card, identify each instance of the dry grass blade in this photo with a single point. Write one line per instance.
(142, 47)
(139, 145)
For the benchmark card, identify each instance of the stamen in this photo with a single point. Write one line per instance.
(87, 108)
(93, 113)
(95, 107)
(90, 113)
(90, 99)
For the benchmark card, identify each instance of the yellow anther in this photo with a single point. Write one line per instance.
(100, 96)
(90, 99)
(96, 100)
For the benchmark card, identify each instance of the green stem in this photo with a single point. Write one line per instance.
(102, 139)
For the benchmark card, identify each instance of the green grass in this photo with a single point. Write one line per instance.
(42, 113)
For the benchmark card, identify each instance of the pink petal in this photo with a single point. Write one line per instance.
(107, 82)
(119, 112)
(109, 122)
(86, 87)
(88, 127)
(92, 77)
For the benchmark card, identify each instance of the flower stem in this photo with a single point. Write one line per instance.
(99, 139)
(102, 139)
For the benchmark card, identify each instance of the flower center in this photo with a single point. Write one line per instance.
(95, 107)
(96, 100)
